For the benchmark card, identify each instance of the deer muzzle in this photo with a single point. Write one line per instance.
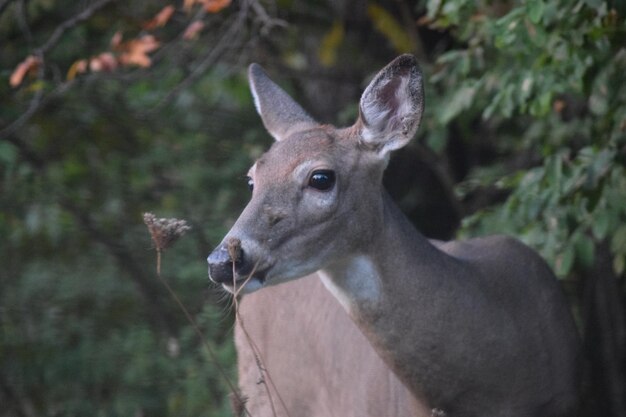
(229, 264)
(220, 265)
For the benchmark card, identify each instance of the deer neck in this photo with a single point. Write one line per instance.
(397, 259)
(389, 291)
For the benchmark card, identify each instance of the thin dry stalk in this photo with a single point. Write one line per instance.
(264, 373)
(164, 233)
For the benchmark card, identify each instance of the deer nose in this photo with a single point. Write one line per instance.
(221, 261)
(220, 265)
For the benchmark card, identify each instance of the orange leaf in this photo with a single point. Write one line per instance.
(78, 67)
(160, 19)
(135, 52)
(193, 30)
(27, 66)
(188, 4)
(116, 40)
(105, 62)
(214, 6)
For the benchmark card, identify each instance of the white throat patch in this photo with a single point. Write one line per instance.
(353, 281)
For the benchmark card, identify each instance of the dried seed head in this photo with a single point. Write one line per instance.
(164, 232)
(234, 249)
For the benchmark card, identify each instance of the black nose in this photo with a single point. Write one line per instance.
(221, 260)
(220, 265)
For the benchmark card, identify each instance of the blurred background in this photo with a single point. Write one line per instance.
(109, 109)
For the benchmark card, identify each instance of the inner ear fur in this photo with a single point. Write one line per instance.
(391, 106)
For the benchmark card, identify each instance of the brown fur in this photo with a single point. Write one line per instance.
(477, 328)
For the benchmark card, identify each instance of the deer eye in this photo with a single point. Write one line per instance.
(250, 183)
(322, 180)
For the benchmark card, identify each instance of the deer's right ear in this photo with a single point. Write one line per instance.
(391, 106)
(281, 115)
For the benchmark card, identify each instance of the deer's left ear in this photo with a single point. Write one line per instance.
(391, 106)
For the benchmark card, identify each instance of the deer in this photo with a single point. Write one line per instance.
(358, 314)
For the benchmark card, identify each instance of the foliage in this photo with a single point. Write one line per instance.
(71, 346)
(85, 327)
(548, 80)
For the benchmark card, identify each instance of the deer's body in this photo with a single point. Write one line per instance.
(466, 324)
(474, 328)
(320, 363)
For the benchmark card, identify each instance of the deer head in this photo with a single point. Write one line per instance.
(317, 193)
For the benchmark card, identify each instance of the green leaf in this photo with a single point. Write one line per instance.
(433, 7)
(564, 261)
(461, 100)
(600, 225)
(8, 153)
(595, 4)
(618, 242)
(585, 250)
(601, 164)
(541, 106)
(535, 10)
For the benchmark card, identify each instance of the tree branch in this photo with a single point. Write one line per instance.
(267, 22)
(22, 21)
(228, 38)
(38, 101)
(70, 23)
